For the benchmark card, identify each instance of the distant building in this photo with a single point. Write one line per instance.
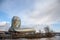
(15, 26)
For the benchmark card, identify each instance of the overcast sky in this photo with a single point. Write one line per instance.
(31, 12)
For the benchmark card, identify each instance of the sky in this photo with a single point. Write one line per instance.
(32, 12)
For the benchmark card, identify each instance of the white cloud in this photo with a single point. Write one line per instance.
(42, 11)
(4, 26)
(2, 23)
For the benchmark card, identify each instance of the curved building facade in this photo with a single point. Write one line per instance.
(15, 24)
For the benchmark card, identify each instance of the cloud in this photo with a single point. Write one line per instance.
(2, 23)
(45, 12)
(4, 26)
(37, 12)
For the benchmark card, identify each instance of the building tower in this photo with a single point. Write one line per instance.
(15, 24)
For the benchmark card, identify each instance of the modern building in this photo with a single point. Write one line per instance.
(15, 26)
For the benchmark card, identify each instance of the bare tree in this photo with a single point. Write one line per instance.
(48, 32)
